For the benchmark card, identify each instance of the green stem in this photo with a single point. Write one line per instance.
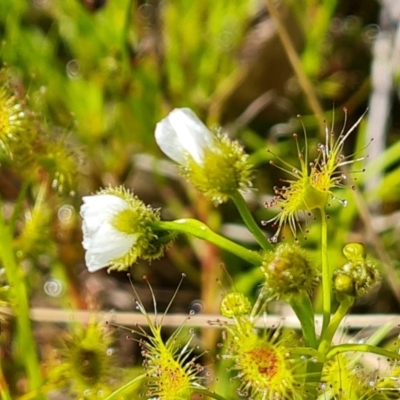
(307, 351)
(20, 306)
(202, 231)
(250, 222)
(341, 312)
(326, 275)
(364, 348)
(303, 308)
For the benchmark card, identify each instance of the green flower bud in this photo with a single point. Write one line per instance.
(354, 251)
(344, 284)
(235, 304)
(288, 271)
(359, 275)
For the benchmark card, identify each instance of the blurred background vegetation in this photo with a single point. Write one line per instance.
(93, 77)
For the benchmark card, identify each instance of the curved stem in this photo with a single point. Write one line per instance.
(251, 224)
(326, 274)
(327, 335)
(202, 231)
(364, 348)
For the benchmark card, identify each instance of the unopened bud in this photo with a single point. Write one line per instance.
(344, 284)
(359, 275)
(235, 304)
(288, 271)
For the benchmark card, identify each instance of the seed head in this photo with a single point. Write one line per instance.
(288, 271)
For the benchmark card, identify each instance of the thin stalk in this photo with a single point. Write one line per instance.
(296, 65)
(327, 335)
(326, 274)
(20, 306)
(251, 224)
(202, 231)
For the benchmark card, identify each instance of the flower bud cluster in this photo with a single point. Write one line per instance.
(359, 275)
(288, 271)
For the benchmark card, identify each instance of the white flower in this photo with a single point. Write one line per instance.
(213, 163)
(103, 242)
(118, 228)
(181, 134)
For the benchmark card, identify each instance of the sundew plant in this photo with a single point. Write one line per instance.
(267, 364)
(168, 230)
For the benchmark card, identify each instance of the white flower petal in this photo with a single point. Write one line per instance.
(182, 131)
(107, 245)
(98, 209)
(101, 240)
(168, 141)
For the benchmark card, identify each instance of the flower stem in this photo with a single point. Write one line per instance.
(250, 222)
(20, 306)
(202, 231)
(326, 274)
(341, 312)
(303, 308)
